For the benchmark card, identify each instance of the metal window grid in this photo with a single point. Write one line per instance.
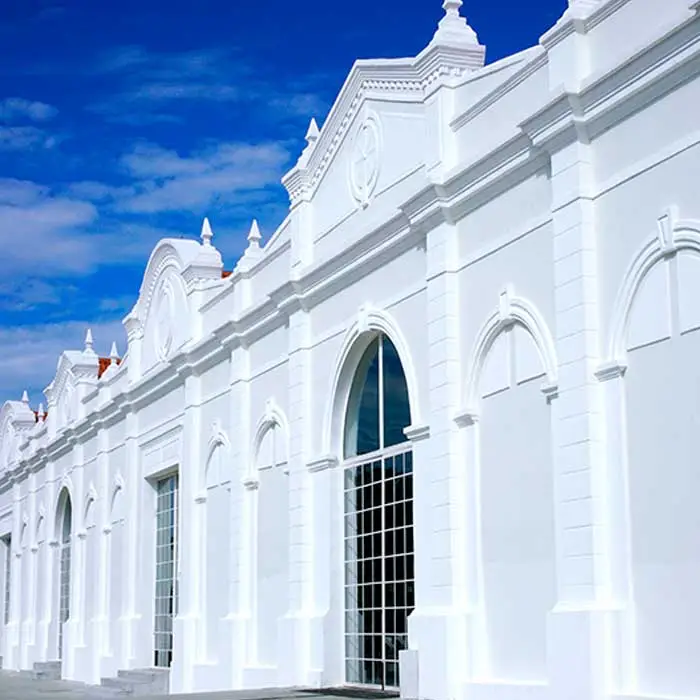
(64, 582)
(8, 577)
(166, 566)
(379, 564)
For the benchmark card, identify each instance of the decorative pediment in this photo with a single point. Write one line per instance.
(161, 315)
(74, 367)
(16, 419)
(453, 53)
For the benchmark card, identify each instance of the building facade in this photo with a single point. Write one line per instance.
(439, 433)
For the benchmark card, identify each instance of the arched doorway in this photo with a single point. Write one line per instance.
(378, 497)
(65, 522)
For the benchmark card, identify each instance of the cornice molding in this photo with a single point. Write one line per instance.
(608, 98)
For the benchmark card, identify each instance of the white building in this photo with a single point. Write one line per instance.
(440, 431)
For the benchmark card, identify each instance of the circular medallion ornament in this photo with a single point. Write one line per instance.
(364, 163)
(164, 322)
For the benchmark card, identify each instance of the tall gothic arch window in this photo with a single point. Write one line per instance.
(378, 486)
(7, 542)
(64, 581)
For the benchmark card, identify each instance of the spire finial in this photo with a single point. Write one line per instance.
(453, 27)
(88, 341)
(254, 236)
(41, 411)
(451, 7)
(25, 397)
(113, 354)
(207, 234)
(312, 132)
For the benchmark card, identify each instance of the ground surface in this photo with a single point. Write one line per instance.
(14, 686)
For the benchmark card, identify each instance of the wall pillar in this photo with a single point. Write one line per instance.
(234, 626)
(136, 632)
(45, 630)
(293, 651)
(437, 626)
(99, 624)
(187, 618)
(12, 659)
(578, 642)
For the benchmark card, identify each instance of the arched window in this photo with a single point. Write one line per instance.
(66, 520)
(379, 568)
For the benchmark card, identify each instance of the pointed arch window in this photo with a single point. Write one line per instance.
(64, 569)
(378, 409)
(378, 485)
(7, 541)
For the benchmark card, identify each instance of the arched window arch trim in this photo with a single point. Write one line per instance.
(24, 532)
(89, 519)
(116, 492)
(64, 496)
(40, 528)
(272, 417)
(369, 323)
(672, 236)
(218, 440)
(512, 310)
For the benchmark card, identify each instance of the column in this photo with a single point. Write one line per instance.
(12, 653)
(100, 624)
(185, 622)
(437, 626)
(576, 633)
(30, 587)
(46, 643)
(294, 653)
(74, 627)
(623, 654)
(136, 632)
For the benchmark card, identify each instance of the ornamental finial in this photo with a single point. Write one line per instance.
(453, 27)
(254, 236)
(451, 7)
(88, 341)
(207, 234)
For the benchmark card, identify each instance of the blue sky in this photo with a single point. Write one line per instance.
(124, 122)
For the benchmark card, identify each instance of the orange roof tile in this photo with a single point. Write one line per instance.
(104, 363)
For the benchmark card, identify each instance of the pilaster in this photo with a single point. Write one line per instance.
(135, 637)
(100, 624)
(436, 627)
(73, 639)
(186, 619)
(46, 643)
(11, 657)
(235, 625)
(31, 552)
(293, 656)
(577, 637)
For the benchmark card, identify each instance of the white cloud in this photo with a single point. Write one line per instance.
(20, 138)
(44, 233)
(167, 181)
(150, 85)
(29, 354)
(25, 294)
(14, 109)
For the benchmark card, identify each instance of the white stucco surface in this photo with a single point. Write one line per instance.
(511, 252)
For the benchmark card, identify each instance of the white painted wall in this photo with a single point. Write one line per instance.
(534, 258)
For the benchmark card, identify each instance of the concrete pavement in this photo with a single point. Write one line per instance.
(17, 686)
